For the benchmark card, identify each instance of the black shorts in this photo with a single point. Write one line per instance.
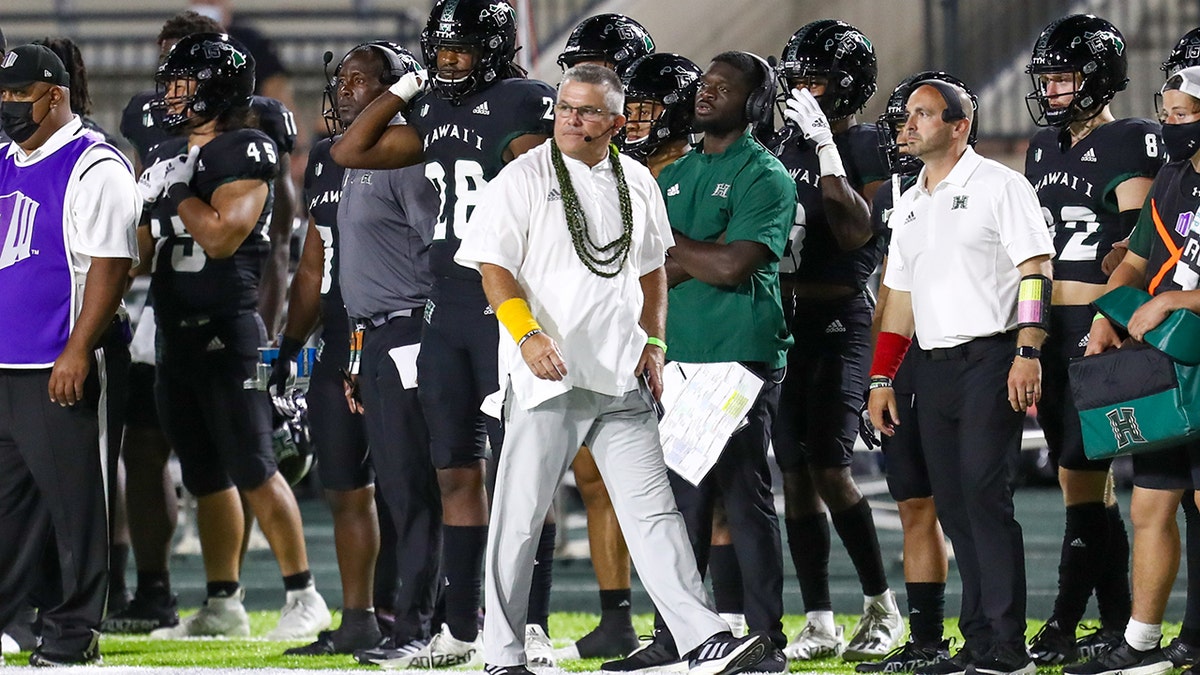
(904, 460)
(826, 378)
(1056, 413)
(458, 367)
(1175, 468)
(142, 412)
(339, 436)
(220, 430)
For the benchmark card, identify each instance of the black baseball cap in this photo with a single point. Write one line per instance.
(26, 64)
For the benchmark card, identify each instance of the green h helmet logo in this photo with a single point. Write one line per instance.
(1124, 427)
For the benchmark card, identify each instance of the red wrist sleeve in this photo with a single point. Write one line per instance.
(889, 352)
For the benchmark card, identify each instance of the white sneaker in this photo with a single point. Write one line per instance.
(218, 617)
(737, 624)
(443, 651)
(8, 645)
(302, 617)
(815, 642)
(878, 631)
(538, 649)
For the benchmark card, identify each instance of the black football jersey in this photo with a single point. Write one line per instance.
(1173, 202)
(185, 282)
(1077, 190)
(142, 126)
(322, 192)
(812, 254)
(883, 203)
(464, 149)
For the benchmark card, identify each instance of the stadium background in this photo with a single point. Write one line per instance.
(985, 42)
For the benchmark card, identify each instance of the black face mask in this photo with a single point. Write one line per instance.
(1182, 140)
(16, 118)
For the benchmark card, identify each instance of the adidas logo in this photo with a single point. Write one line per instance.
(1078, 543)
(482, 109)
(1084, 341)
(19, 211)
(911, 217)
(215, 345)
(1089, 156)
(673, 190)
(835, 327)
(623, 603)
(554, 195)
(711, 651)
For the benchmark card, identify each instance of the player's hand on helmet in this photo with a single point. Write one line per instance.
(804, 111)
(411, 85)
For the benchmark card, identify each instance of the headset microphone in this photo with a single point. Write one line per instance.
(589, 138)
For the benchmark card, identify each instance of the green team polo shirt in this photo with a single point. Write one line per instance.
(746, 194)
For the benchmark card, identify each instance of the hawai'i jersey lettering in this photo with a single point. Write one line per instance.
(322, 192)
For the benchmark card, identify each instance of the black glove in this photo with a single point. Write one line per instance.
(283, 371)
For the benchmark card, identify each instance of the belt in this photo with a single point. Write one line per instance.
(969, 349)
(377, 320)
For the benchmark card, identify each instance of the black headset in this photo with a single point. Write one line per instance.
(760, 103)
(951, 95)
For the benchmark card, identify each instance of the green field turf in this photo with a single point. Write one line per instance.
(250, 653)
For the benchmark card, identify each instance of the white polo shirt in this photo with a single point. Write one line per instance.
(956, 250)
(519, 224)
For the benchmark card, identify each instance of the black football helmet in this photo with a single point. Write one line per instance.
(1083, 44)
(291, 437)
(488, 28)
(222, 68)
(838, 52)
(1185, 54)
(399, 62)
(615, 38)
(896, 114)
(670, 80)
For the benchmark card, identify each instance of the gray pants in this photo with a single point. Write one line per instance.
(539, 446)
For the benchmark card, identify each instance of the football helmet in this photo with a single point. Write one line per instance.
(615, 38)
(222, 69)
(669, 80)
(896, 114)
(1185, 54)
(1083, 44)
(838, 52)
(487, 28)
(291, 438)
(399, 62)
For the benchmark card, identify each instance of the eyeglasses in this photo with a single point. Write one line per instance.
(586, 112)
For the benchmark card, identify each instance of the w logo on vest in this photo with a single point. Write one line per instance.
(17, 214)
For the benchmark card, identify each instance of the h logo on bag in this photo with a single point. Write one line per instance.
(17, 214)
(1124, 427)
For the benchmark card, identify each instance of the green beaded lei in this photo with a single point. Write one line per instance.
(605, 260)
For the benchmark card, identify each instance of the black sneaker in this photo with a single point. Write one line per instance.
(341, 641)
(660, 651)
(723, 654)
(1054, 646)
(603, 642)
(1099, 641)
(955, 665)
(146, 612)
(1181, 653)
(44, 657)
(908, 657)
(507, 670)
(1124, 660)
(387, 650)
(1004, 659)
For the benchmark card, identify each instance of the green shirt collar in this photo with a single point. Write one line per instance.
(737, 147)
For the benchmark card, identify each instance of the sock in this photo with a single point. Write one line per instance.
(1143, 636)
(822, 618)
(298, 581)
(726, 577)
(462, 567)
(153, 583)
(118, 560)
(1113, 597)
(856, 529)
(1080, 562)
(808, 540)
(926, 611)
(615, 606)
(354, 618)
(543, 579)
(222, 589)
(1190, 630)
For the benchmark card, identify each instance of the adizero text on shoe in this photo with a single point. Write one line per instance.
(907, 658)
(1053, 645)
(1123, 660)
(1181, 653)
(219, 617)
(304, 614)
(143, 614)
(878, 632)
(443, 651)
(657, 654)
(723, 654)
(955, 665)
(816, 642)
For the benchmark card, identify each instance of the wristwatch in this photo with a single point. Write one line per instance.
(1027, 352)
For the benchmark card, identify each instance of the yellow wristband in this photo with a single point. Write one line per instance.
(515, 316)
(657, 343)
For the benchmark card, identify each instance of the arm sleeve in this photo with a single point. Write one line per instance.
(499, 231)
(1142, 239)
(104, 207)
(763, 210)
(1023, 231)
